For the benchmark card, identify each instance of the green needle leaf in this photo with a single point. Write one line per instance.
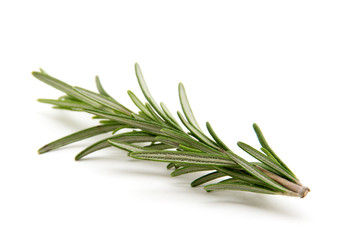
(105, 101)
(69, 98)
(125, 146)
(150, 99)
(206, 178)
(188, 149)
(42, 71)
(264, 159)
(154, 114)
(265, 144)
(197, 133)
(167, 112)
(101, 90)
(170, 165)
(255, 172)
(188, 169)
(93, 148)
(157, 146)
(144, 125)
(139, 104)
(168, 141)
(75, 105)
(134, 137)
(78, 136)
(216, 138)
(239, 186)
(271, 157)
(186, 108)
(264, 166)
(141, 115)
(240, 175)
(183, 157)
(66, 88)
(128, 137)
(58, 84)
(188, 141)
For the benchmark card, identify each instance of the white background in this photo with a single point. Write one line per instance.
(277, 63)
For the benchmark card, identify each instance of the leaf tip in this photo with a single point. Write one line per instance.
(35, 73)
(40, 151)
(79, 156)
(131, 154)
(137, 68)
(131, 95)
(44, 149)
(193, 184)
(255, 126)
(239, 143)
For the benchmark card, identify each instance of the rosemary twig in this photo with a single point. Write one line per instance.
(154, 134)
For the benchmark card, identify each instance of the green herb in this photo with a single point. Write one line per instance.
(154, 134)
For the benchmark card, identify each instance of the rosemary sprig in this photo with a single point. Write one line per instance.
(154, 134)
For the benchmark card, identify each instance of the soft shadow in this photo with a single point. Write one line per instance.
(66, 120)
(222, 199)
(253, 200)
(109, 157)
(144, 173)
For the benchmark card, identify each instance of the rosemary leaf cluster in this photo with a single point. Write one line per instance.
(154, 134)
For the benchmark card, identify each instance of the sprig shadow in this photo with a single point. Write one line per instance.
(225, 199)
(254, 201)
